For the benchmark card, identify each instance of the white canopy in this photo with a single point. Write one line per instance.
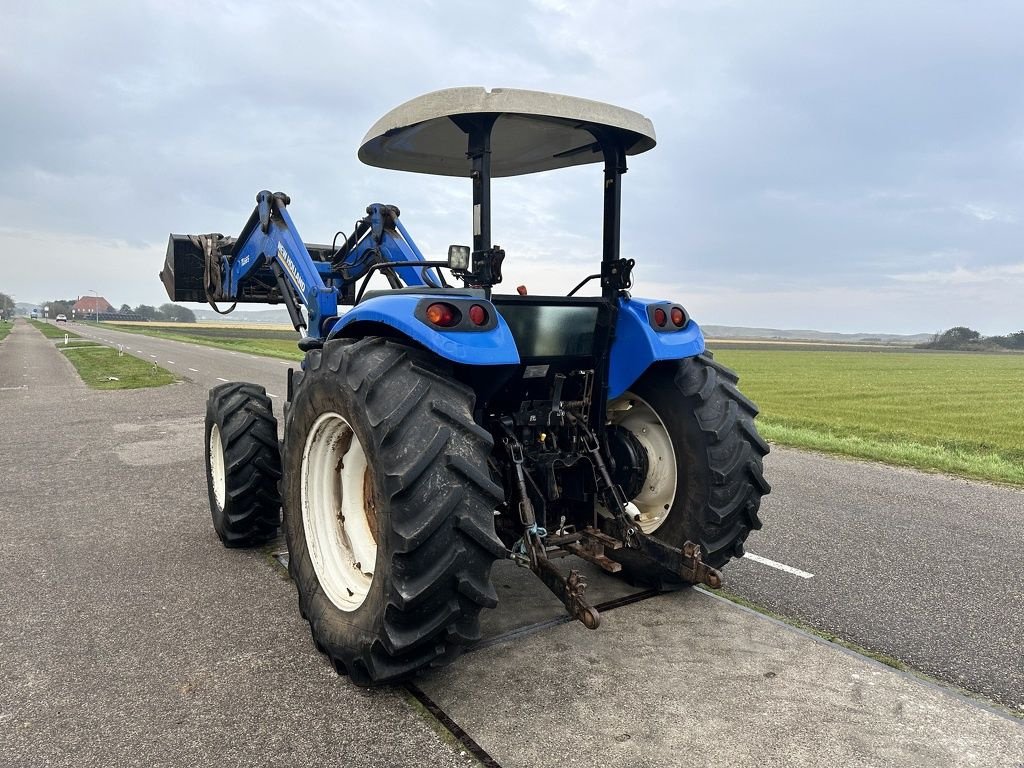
(534, 131)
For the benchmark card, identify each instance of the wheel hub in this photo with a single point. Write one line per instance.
(629, 461)
(651, 504)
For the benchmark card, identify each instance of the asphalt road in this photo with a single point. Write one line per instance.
(925, 568)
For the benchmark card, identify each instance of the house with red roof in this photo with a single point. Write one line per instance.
(91, 305)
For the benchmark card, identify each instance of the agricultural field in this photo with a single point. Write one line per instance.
(961, 413)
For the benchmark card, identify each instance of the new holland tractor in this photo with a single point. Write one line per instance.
(437, 426)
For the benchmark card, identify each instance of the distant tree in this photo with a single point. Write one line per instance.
(146, 311)
(125, 309)
(959, 337)
(6, 303)
(58, 307)
(176, 313)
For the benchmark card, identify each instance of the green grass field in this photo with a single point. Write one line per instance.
(52, 330)
(5, 328)
(102, 368)
(961, 413)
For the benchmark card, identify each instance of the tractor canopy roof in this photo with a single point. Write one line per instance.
(533, 131)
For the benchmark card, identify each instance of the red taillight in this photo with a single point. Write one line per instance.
(477, 315)
(678, 317)
(443, 315)
(660, 318)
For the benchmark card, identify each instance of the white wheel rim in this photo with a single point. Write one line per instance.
(217, 475)
(659, 490)
(337, 507)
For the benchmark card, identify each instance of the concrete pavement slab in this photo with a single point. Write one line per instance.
(687, 679)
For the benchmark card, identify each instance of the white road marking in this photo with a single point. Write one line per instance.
(170, 362)
(220, 379)
(780, 566)
(152, 355)
(270, 395)
(194, 370)
(283, 362)
(140, 351)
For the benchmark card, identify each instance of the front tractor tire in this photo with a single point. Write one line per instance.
(705, 477)
(389, 509)
(243, 464)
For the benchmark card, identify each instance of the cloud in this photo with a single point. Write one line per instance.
(863, 152)
(983, 213)
(963, 276)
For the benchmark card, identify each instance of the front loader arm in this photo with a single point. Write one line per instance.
(270, 237)
(270, 263)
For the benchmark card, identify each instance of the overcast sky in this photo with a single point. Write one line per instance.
(846, 167)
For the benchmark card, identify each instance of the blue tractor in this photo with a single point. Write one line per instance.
(436, 426)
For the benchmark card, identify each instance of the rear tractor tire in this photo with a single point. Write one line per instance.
(389, 509)
(705, 477)
(243, 464)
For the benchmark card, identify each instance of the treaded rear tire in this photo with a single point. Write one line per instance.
(719, 464)
(248, 511)
(432, 503)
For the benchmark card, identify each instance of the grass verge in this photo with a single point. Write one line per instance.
(103, 368)
(937, 458)
(52, 330)
(959, 413)
(5, 328)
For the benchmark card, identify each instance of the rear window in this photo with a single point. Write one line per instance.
(551, 331)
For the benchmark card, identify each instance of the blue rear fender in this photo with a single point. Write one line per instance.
(397, 311)
(637, 345)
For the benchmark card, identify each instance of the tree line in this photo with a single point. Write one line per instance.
(963, 338)
(171, 312)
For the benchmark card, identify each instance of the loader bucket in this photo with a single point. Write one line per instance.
(182, 274)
